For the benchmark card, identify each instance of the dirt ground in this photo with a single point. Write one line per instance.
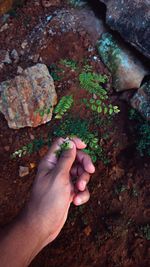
(106, 232)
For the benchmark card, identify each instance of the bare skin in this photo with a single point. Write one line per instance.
(45, 214)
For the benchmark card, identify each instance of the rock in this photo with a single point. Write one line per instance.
(23, 171)
(4, 57)
(127, 71)
(141, 100)
(132, 20)
(28, 99)
(49, 3)
(24, 44)
(19, 70)
(14, 55)
(4, 27)
(32, 165)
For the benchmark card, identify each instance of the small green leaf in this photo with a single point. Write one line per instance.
(99, 109)
(93, 107)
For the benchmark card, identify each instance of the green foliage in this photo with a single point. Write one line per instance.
(98, 106)
(87, 68)
(69, 63)
(78, 127)
(92, 82)
(63, 106)
(30, 148)
(142, 131)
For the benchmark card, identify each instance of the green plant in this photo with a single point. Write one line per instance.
(94, 83)
(69, 63)
(87, 68)
(36, 145)
(98, 106)
(79, 127)
(63, 106)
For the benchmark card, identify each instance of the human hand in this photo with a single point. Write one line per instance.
(54, 190)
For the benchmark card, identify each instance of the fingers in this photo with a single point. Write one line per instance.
(79, 143)
(67, 158)
(50, 160)
(81, 198)
(85, 161)
(83, 181)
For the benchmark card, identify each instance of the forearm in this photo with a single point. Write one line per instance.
(20, 243)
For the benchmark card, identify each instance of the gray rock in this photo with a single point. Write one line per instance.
(14, 55)
(127, 71)
(4, 57)
(132, 20)
(141, 100)
(28, 99)
(19, 70)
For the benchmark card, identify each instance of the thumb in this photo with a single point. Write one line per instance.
(67, 158)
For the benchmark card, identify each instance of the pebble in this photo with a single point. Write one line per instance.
(14, 55)
(19, 70)
(23, 171)
(24, 44)
(4, 27)
(32, 165)
(4, 57)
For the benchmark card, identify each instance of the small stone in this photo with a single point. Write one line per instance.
(14, 55)
(19, 70)
(32, 165)
(4, 57)
(1, 65)
(31, 136)
(4, 27)
(24, 44)
(23, 171)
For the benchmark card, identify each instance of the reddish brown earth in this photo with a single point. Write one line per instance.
(106, 231)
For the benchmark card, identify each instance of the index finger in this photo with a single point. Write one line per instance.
(85, 161)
